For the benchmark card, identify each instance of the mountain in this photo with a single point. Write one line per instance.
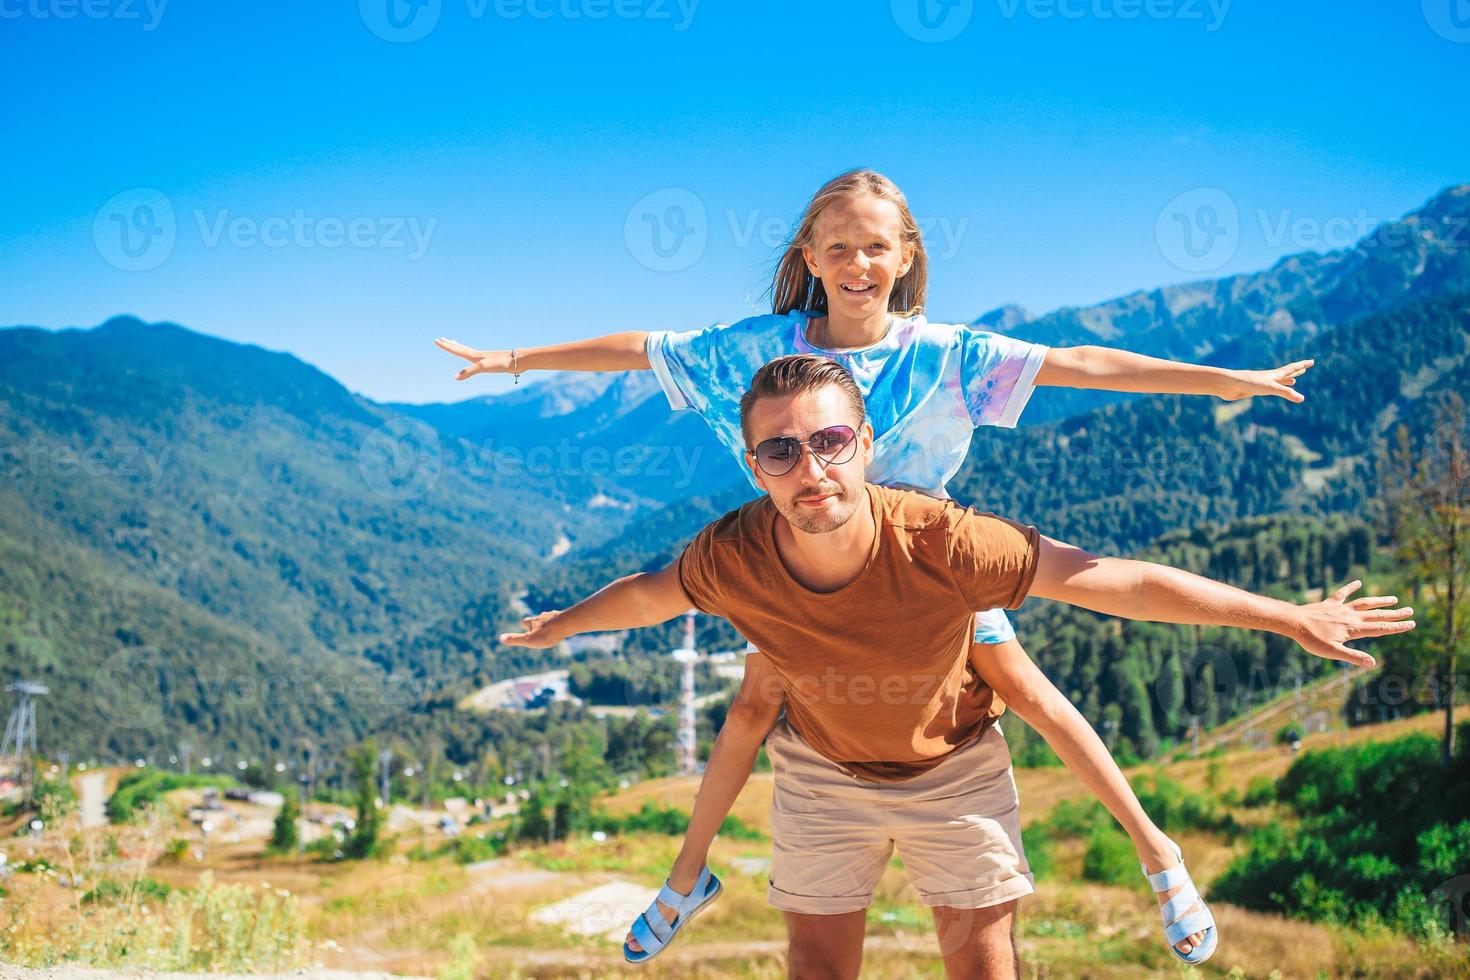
(623, 446)
(223, 498)
(1119, 477)
(1424, 254)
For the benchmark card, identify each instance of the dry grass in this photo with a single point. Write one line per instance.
(437, 917)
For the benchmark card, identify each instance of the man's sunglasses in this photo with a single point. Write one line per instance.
(778, 456)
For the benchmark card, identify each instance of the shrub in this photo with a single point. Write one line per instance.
(1110, 858)
(1382, 829)
(1037, 845)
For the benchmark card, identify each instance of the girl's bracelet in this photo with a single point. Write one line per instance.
(514, 363)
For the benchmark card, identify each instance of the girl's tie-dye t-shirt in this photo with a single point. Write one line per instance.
(926, 386)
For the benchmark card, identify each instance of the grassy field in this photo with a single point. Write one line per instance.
(435, 916)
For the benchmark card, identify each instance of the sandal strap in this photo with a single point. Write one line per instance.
(1193, 922)
(683, 904)
(671, 898)
(1179, 904)
(643, 932)
(1168, 878)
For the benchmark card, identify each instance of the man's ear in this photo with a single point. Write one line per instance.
(760, 479)
(866, 435)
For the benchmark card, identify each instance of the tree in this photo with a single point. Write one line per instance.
(363, 841)
(1427, 490)
(283, 832)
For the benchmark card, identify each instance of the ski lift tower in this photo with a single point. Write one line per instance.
(19, 747)
(684, 743)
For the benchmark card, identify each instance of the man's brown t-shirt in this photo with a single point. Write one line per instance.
(877, 674)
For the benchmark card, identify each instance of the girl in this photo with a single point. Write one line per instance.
(851, 287)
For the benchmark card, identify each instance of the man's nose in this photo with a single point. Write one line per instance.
(813, 467)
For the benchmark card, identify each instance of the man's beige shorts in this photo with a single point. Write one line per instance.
(957, 828)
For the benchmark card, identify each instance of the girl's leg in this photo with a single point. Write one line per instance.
(1007, 668)
(751, 716)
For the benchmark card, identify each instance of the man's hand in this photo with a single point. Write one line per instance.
(1275, 381)
(540, 632)
(1324, 627)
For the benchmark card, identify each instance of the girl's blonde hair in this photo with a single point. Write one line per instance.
(795, 288)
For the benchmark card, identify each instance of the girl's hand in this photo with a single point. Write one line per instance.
(481, 361)
(540, 632)
(1276, 381)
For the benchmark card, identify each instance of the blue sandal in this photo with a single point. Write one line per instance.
(653, 932)
(1177, 925)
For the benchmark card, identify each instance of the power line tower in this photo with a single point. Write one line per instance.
(685, 761)
(19, 747)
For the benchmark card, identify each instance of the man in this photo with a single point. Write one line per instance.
(861, 599)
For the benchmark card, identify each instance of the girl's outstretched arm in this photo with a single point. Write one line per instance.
(627, 351)
(1110, 369)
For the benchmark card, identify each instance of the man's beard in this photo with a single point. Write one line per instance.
(813, 523)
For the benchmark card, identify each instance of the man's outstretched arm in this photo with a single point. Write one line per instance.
(1152, 592)
(644, 599)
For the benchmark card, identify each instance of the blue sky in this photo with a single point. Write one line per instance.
(349, 180)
